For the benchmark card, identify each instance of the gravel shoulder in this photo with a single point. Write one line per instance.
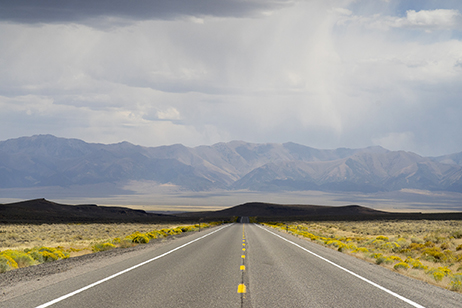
(24, 280)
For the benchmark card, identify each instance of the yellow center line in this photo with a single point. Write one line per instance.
(241, 287)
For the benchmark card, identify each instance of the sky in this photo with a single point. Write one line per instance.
(322, 73)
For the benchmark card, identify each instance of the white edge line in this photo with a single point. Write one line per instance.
(349, 272)
(124, 271)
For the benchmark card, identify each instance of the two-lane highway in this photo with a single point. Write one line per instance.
(239, 265)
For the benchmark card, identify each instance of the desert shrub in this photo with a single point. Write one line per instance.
(151, 235)
(434, 254)
(21, 258)
(309, 235)
(383, 259)
(25, 260)
(459, 247)
(126, 243)
(401, 265)
(38, 257)
(336, 243)
(415, 263)
(438, 276)
(188, 228)
(7, 263)
(456, 282)
(416, 246)
(402, 242)
(178, 230)
(382, 238)
(445, 270)
(444, 246)
(396, 258)
(116, 240)
(439, 273)
(434, 238)
(390, 246)
(450, 257)
(408, 252)
(103, 247)
(351, 246)
(139, 238)
(361, 249)
(378, 243)
(47, 254)
(162, 233)
(457, 234)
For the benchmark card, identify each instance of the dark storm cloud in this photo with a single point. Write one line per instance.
(80, 11)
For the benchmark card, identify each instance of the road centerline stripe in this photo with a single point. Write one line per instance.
(410, 302)
(124, 271)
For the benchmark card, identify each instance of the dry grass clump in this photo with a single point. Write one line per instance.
(23, 245)
(427, 250)
(20, 236)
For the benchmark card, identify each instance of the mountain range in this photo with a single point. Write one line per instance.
(46, 160)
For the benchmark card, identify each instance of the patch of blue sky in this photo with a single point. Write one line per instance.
(399, 8)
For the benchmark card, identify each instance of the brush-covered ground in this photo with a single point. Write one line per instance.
(23, 245)
(427, 250)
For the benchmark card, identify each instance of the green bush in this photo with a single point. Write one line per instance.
(434, 254)
(140, 239)
(47, 254)
(456, 282)
(21, 258)
(382, 259)
(401, 265)
(7, 263)
(103, 247)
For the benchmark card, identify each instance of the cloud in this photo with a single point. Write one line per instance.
(121, 12)
(428, 20)
(169, 114)
(313, 72)
(434, 19)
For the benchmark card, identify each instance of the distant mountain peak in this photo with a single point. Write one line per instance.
(46, 160)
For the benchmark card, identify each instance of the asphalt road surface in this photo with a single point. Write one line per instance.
(239, 265)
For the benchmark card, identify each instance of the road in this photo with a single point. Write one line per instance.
(239, 265)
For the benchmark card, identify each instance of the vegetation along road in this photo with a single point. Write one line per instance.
(237, 265)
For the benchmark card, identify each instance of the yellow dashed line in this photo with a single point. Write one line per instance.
(241, 287)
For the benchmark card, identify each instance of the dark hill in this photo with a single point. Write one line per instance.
(287, 210)
(291, 212)
(44, 211)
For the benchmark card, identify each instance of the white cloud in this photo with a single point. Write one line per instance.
(169, 114)
(429, 20)
(439, 19)
(298, 74)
